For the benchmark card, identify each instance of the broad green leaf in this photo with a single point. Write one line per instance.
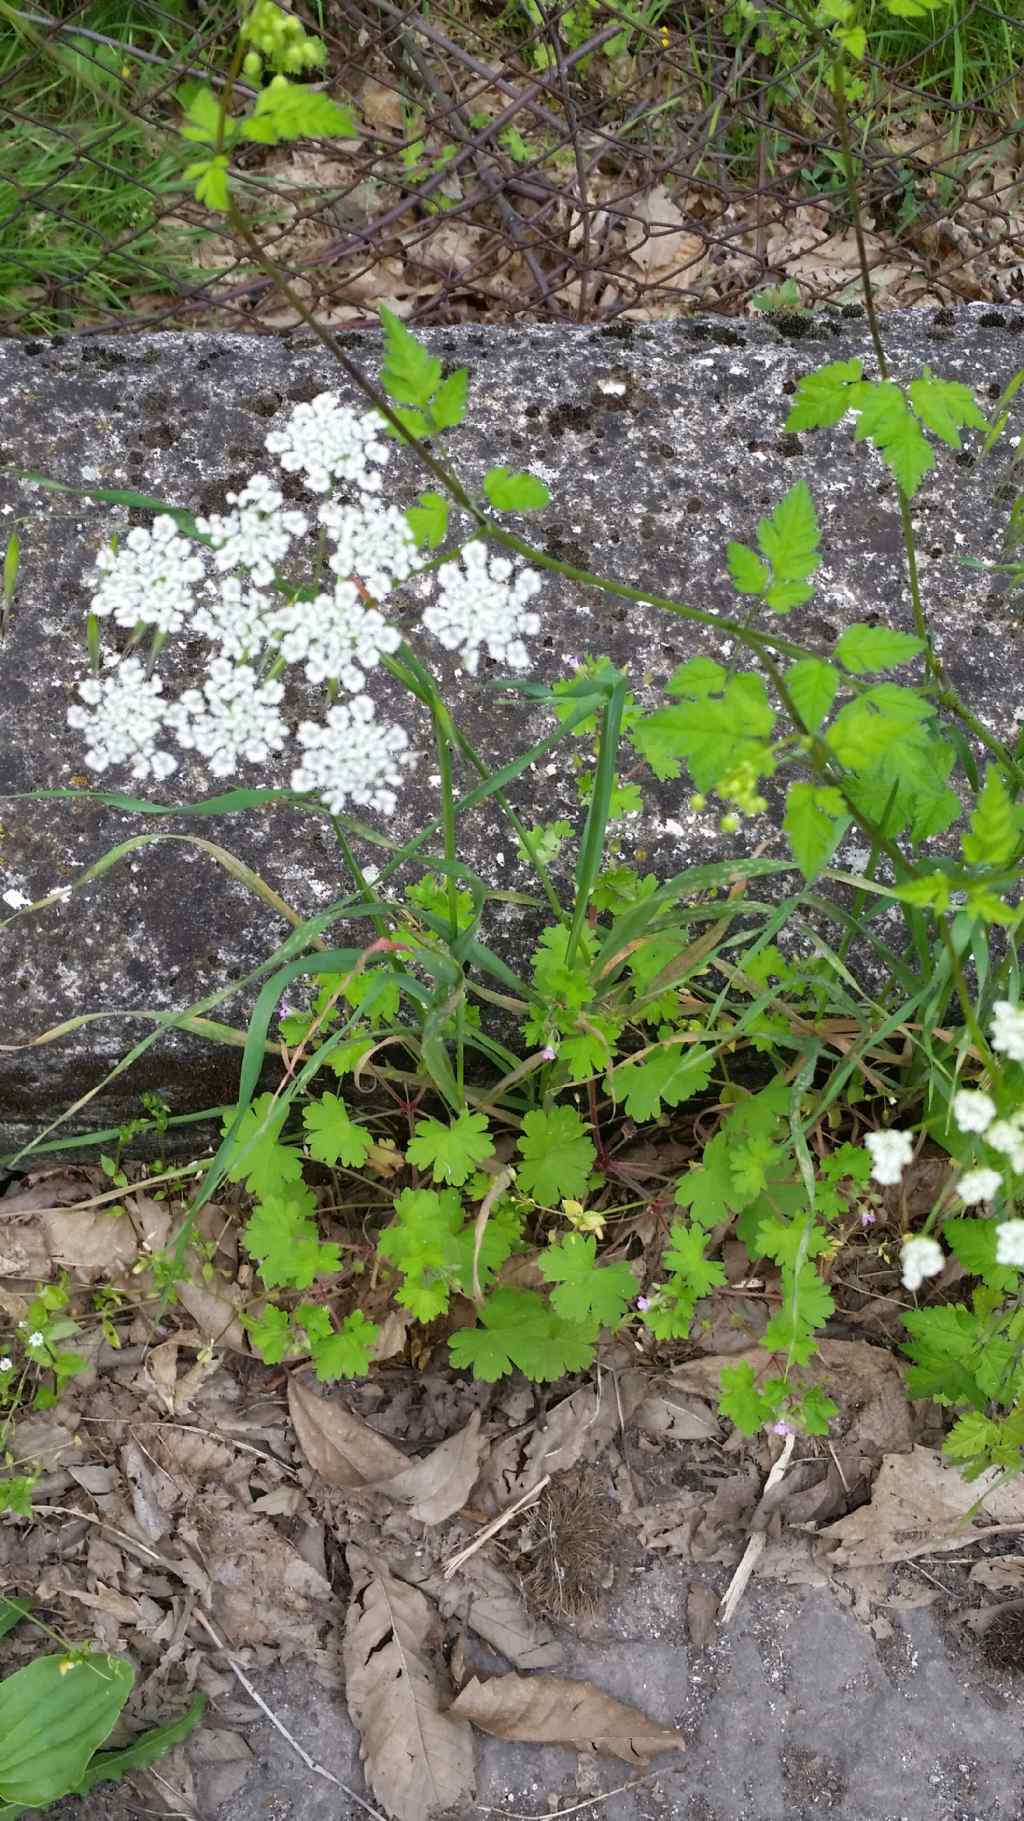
(348, 1352)
(887, 421)
(257, 1156)
(824, 397)
(995, 824)
(409, 375)
(510, 492)
(333, 1136)
(814, 822)
(428, 521)
(556, 1155)
(451, 1151)
(862, 649)
(586, 1291)
(741, 1401)
(54, 1714)
(812, 685)
(686, 1259)
(946, 407)
(672, 1074)
(518, 1329)
(282, 1235)
(749, 574)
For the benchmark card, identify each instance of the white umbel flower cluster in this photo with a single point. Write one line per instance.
(1010, 1243)
(237, 619)
(327, 442)
(1007, 1137)
(482, 606)
(150, 578)
(351, 757)
(371, 542)
(890, 1154)
(972, 1110)
(1007, 1030)
(334, 636)
(234, 717)
(920, 1258)
(978, 1185)
(122, 715)
(258, 534)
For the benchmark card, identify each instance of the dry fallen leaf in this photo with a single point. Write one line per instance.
(551, 1710)
(1004, 1572)
(919, 1503)
(485, 1599)
(418, 1759)
(343, 1450)
(439, 1484)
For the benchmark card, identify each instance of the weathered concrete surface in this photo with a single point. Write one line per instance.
(658, 444)
(795, 1713)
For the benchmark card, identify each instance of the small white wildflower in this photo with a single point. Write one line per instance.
(16, 899)
(233, 717)
(372, 542)
(972, 1110)
(978, 1185)
(36, 1338)
(1008, 1030)
(352, 757)
(257, 534)
(890, 1153)
(1010, 1243)
(479, 605)
(6, 1364)
(920, 1258)
(334, 636)
(326, 442)
(1007, 1136)
(149, 578)
(123, 715)
(238, 619)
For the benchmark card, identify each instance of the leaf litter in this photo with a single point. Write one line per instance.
(191, 1493)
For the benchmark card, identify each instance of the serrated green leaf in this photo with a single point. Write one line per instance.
(816, 1410)
(556, 1155)
(448, 405)
(995, 824)
(862, 649)
(815, 821)
(945, 407)
(789, 541)
(271, 1333)
(282, 1235)
(783, 1240)
(451, 1151)
(587, 1291)
(749, 574)
(409, 375)
(887, 421)
(258, 1157)
(812, 684)
(287, 111)
(672, 1074)
(211, 180)
(510, 492)
(972, 1435)
(428, 521)
(824, 397)
(333, 1136)
(686, 1258)
(974, 1244)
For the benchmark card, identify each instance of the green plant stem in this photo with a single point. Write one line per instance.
(970, 1016)
(443, 745)
(378, 917)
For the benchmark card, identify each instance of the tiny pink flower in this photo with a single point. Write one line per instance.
(549, 1052)
(781, 1428)
(868, 1219)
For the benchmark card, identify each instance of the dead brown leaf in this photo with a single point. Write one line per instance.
(485, 1599)
(551, 1710)
(436, 1486)
(919, 1503)
(1005, 1572)
(343, 1450)
(418, 1758)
